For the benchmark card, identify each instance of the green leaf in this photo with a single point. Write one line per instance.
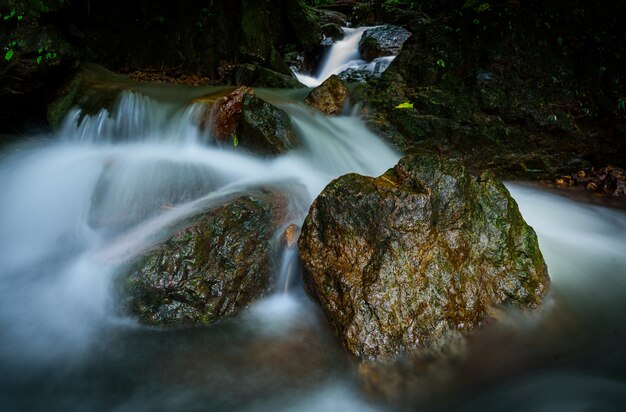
(405, 105)
(19, 18)
(39, 50)
(559, 40)
(441, 63)
(39, 59)
(8, 56)
(235, 140)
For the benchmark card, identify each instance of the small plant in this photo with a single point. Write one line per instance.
(11, 14)
(10, 52)
(405, 105)
(45, 55)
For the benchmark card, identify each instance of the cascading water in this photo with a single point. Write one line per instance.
(344, 55)
(74, 207)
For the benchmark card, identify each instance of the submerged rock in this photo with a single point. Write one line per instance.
(367, 72)
(215, 264)
(404, 261)
(329, 97)
(381, 41)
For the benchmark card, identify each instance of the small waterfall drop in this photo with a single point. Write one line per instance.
(344, 55)
(111, 181)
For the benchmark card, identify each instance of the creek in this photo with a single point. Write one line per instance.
(78, 204)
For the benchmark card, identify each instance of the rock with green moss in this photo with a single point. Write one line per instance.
(264, 128)
(93, 88)
(404, 261)
(215, 264)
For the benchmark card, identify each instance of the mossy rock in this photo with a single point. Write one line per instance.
(93, 88)
(264, 128)
(404, 261)
(213, 265)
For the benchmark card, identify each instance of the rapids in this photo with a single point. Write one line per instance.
(77, 204)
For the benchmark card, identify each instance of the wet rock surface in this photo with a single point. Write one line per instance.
(381, 41)
(264, 128)
(215, 264)
(226, 112)
(92, 89)
(370, 71)
(329, 97)
(418, 255)
(241, 118)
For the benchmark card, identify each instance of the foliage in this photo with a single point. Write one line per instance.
(405, 105)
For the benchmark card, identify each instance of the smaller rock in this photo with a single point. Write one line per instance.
(264, 128)
(560, 182)
(228, 112)
(609, 180)
(381, 41)
(329, 97)
(367, 72)
(332, 31)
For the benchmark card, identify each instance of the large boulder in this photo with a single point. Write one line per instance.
(212, 266)
(404, 261)
(329, 97)
(381, 41)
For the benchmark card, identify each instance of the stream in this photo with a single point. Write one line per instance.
(78, 204)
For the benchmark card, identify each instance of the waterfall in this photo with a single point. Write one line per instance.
(117, 179)
(344, 55)
(78, 205)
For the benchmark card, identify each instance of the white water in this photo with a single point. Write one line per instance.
(74, 208)
(343, 55)
(77, 205)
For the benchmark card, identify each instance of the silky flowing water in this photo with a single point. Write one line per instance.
(77, 205)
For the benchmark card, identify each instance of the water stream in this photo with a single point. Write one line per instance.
(344, 55)
(78, 204)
